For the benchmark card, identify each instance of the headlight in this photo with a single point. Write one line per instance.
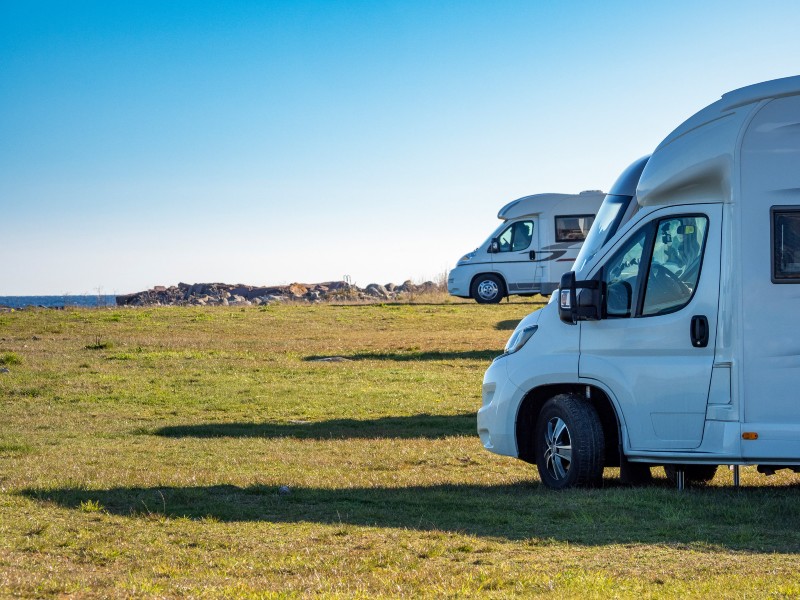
(519, 338)
(466, 257)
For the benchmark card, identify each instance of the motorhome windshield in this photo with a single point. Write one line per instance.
(605, 225)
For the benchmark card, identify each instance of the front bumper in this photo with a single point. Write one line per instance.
(458, 282)
(497, 417)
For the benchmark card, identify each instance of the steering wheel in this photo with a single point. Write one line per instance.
(664, 287)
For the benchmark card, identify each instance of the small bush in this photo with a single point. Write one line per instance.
(10, 358)
(91, 506)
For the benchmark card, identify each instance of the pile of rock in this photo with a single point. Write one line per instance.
(223, 294)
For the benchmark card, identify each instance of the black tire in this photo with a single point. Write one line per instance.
(487, 289)
(696, 474)
(569, 422)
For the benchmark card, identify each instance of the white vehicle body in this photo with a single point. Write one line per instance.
(676, 340)
(537, 242)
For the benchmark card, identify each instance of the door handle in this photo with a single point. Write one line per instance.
(699, 331)
(532, 254)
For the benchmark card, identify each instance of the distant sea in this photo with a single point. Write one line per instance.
(57, 301)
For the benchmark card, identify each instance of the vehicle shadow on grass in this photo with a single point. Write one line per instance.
(482, 355)
(409, 427)
(711, 519)
(507, 325)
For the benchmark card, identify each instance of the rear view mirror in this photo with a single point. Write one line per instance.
(583, 305)
(494, 246)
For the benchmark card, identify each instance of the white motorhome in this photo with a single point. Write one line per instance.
(675, 341)
(537, 242)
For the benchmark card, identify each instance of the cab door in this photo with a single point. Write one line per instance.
(655, 349)
(517, 247)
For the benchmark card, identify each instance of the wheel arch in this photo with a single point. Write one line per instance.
(534, 400)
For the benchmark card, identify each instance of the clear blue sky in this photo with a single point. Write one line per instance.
(146, 143)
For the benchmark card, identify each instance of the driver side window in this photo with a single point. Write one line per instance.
(516, 237)
(675, 265)
(621, 274)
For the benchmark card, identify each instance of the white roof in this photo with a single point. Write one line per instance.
(539, 203)
(776, 88)
(696, 160)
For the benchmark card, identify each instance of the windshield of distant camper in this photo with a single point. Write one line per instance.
(605, 225)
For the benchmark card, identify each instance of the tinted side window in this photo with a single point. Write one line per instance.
(573, 228)
(675, 264)
(785, 244)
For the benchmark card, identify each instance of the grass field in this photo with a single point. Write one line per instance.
(142, 452)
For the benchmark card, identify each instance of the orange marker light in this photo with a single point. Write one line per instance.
(749, 435)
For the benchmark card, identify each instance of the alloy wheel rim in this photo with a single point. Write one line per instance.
(558, 448)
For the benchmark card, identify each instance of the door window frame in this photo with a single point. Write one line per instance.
(640, 290)
(774, 213)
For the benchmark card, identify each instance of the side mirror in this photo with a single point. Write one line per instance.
(494, 246)
(567, 299)
(584, 306)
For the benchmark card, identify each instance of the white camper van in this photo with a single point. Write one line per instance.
(537, 242)
(676, 339)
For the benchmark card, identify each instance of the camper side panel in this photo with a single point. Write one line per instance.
(770, 245)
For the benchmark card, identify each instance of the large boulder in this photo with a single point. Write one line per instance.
(298, 290)
(377, 290)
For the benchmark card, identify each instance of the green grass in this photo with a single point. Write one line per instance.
(152, 467)
(10, 358)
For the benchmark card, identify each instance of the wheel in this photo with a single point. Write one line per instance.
(487, 289)
(698, 474)
(569, 443)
